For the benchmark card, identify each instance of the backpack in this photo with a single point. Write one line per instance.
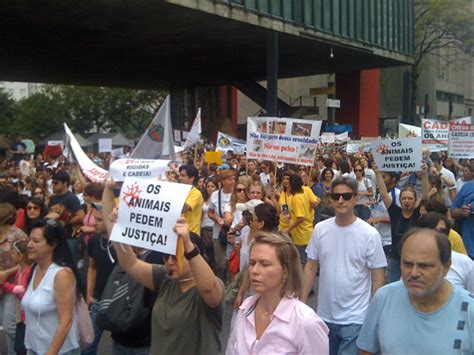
(122, 306)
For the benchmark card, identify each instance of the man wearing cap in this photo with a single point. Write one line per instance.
(218, 201)
(62, 196)
(98, 272)
(192, 209)
(424, 313)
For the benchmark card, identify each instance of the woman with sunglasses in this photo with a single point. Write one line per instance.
(53, 289)
(364, 194)
(188, 312)
(401, 218)
(274, 320)
(462, 267)
(35, 210)
(9, 234)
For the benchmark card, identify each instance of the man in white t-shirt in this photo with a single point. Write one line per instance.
(216, 213)
(446, 176)
(352, 263)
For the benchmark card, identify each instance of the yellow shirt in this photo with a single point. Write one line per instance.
(312, 199)
(299, 207)
(195, 201)
(456, 242)
(285, 199)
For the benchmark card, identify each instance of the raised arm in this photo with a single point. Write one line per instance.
(386, 198)
(425, 185)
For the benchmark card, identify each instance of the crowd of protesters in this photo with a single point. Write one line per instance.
(256, 234)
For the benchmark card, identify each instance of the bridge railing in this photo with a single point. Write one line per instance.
(387, 24)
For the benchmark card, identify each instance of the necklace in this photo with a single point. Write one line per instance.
(188, 279)
(107, 245)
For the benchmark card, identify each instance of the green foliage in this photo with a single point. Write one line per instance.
(86, 110)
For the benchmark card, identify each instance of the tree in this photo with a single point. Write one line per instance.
(87, 110)
(439, 24)
(8, 109)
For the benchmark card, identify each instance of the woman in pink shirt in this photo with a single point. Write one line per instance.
(274, 320)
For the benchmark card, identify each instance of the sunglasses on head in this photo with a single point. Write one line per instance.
(346, 196)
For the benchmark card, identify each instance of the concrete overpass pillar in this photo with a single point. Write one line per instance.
(359, 93)
(272, 73)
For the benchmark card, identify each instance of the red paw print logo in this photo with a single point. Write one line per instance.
(131, 195)
(382, 149)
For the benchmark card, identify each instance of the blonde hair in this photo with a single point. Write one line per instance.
(7, 214)
(289, 259)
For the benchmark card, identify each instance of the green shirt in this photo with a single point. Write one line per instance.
(182, 323)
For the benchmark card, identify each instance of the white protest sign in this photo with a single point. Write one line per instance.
(461, 140)
(117, 152)
(283, 140)
(52, 143)
(406, 130)
(462, 120)
(121, 169)
(434, 134)
(403, 154)
(342, 137)
(358, 146)
(105, 145)
(148, 212)
(328, 137)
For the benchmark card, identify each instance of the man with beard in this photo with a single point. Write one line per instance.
(424, 313)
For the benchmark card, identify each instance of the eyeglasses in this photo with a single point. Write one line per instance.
(15, 246)
(302, 169)
(32, 208)
(38, 193)
(358, 170)
(167, 256)
(346, 196)
(240, 190)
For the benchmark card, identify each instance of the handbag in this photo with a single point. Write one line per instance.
(234, 262)
(84, 323)
(224, 229)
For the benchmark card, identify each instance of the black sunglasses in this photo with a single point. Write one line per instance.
(346, 196)
(167, 256)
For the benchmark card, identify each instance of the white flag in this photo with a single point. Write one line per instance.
(406, 131)
(157, 142)
(226, 142)
(88, 167)
(195, 132)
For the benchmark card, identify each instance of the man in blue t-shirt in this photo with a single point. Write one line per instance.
(463, 210)
(424, 313)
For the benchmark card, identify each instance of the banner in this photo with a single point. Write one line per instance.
(93, 172)
(462, 120)
(358, 146)
(139, 168)
(147, 214)
(342, 137)
(403, 154)
(226, 142)
(328, 137)
(435, 134)
(105, 145)
(195, 133)
(406, 131)
(157, 142)
(461, 140)
(283, 140)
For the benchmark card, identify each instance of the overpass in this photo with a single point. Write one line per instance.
(188, 43)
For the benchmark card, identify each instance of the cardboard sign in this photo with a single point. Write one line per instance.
(121, 169)
(398, 154)
(213, 157)
(328, 137)
(461, 140)
(283, 140)
(148, 212)
(434, 134)
(105, 145)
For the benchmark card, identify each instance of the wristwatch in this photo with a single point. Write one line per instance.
(192, 253)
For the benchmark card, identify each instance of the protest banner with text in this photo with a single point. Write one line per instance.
(285, 140)
(435, 134)
(403, 154)
(461, 140)
(147, 214)
(139, 168)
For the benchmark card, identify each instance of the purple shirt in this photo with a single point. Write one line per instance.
(294, 328)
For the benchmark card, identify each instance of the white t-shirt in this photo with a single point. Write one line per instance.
(379, 210)
(346, 255)
(213, 205)
(264, 178)
(461, 267)
(370, 174)
(206, 221)
(363, 187)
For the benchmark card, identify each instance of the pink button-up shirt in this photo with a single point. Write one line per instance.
(294, 329)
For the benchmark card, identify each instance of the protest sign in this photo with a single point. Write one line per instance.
(358, 146)
(328, 137)
(226, 142)
(148, 212)
(406, 130)
(105, 145)
(403, 154)
(213, 157)
(462, 120)
(139, 168)
(195, 133)
(342, 137)
(461, 140)
(92, 171)
(435, 134)
(284, 140)
(117, 152)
